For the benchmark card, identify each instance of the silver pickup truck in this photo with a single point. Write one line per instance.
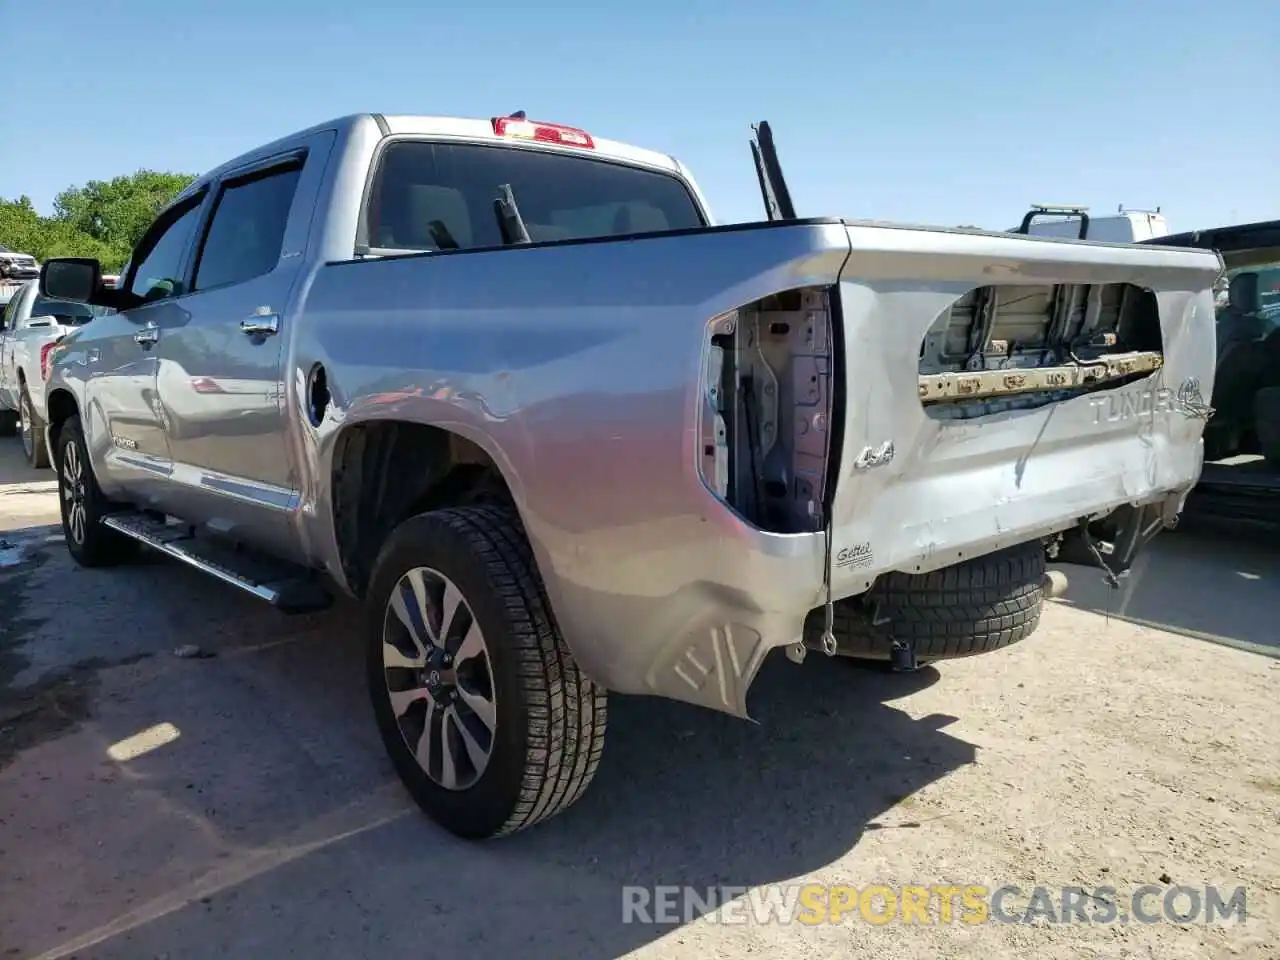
(505, 382)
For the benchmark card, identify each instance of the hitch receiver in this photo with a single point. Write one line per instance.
(902, 657)
(1117, 539)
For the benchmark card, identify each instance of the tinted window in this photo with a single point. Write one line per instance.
(430, 196)
(159, 272)
(247, 230)
(6, 315)
(70, 313)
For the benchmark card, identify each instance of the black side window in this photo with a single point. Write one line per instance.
(247, 230)
(159, 258)
(69, 313)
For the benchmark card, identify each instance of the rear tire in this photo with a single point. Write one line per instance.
(541, 730)
(971, 607)
(83, 505)
(33, 431)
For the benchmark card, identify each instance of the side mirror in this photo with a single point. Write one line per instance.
(77, 279)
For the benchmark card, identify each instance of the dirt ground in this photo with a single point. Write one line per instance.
(264, 821)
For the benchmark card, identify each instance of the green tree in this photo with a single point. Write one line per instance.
(20, 225)
(22, 228)
(102, 219)
(117, 211)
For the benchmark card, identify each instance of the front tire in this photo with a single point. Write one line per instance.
(33, 430)
(488, 721)
(83, 505)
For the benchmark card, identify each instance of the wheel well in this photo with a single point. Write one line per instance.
(61, 407)
(386, 472)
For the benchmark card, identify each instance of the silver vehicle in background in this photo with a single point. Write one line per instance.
(15, 265)
(506, 382)
(30, 327)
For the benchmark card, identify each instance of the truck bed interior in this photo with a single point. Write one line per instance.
(1018, 346)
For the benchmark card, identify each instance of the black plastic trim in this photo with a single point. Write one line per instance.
(1240, 236)
(839, 398)
(580, 241)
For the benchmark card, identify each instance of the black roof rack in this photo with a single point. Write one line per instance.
(1056, 210)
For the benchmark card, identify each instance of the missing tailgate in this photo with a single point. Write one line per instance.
(1014, 347)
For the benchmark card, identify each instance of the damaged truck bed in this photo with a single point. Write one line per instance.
(562, 435)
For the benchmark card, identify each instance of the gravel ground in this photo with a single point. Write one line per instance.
(1099, 753)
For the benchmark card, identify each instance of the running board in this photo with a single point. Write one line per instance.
(288, 589)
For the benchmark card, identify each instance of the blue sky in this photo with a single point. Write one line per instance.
(924, 111)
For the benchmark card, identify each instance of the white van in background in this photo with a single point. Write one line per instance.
(1075, 223)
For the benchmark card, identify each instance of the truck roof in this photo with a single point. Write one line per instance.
(482, 130)
(462, 128)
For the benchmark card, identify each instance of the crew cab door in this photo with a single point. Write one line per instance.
(220, 361)
(122, 416)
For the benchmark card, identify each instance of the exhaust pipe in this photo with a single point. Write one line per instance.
(1054, 584)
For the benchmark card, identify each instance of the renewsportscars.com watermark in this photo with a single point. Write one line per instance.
(812, 904)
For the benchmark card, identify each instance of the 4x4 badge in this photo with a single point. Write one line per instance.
(874, 456)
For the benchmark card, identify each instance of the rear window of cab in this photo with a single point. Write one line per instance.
(440, 196)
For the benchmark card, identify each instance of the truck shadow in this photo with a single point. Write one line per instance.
(1204, 580)
(277, 800)
(15, 470)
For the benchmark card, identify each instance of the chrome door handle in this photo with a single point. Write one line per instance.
(147, 336)
(260, 325)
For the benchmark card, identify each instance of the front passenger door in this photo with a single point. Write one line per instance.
(125, 429)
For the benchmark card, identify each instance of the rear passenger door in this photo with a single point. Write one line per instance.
(221, 376)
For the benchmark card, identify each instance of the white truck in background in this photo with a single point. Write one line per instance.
(30, 327)
(1071, 222)
(17, 266)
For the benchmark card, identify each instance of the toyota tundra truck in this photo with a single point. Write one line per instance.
(508, 384)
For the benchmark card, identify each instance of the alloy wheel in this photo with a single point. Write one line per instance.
(439, 678)
(73, 493)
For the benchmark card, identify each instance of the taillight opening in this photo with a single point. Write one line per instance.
(206, 385)
(46, 358)
(519, 128)
(764, 444)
